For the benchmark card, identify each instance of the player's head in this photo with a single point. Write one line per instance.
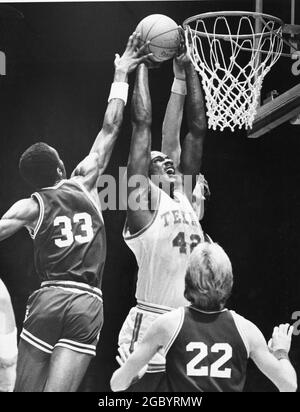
(41, 166)
(162, 170)
(209, 279)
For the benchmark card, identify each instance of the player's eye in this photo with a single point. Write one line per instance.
(157, 159)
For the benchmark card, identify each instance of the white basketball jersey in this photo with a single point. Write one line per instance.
(162, 250)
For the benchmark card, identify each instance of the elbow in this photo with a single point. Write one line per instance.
(142, 120)
(289, 386)
(198, 129)
(141, 113)
(112, 128)
(115, 387)
(292, 386)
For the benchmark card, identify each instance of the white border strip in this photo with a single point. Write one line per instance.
(60, 183)
(76, 349)
(240, 330)
(176, 332)
(38, 197)
(73, 342)
(36, 342)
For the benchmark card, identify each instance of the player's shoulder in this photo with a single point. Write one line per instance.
(90, 192)
(248, 330)
(241, 320)
(27, 208)
(173, 315)
(169, 321)
(81, 183)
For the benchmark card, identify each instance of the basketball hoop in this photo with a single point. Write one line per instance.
(233, 59)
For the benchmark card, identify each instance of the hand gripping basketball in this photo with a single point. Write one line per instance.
(178, 68)
(132, 56)
(183, 56)
(162, 36)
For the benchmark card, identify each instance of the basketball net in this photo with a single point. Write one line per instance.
(232, 64)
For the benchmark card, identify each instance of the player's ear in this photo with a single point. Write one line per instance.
(60, 172)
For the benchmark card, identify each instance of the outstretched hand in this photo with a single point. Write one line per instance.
(281, 338)
(133, 55)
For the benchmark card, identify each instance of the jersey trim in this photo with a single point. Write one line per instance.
(208, 312)
(86, 192)
(177, 330)
(153, 308)
(60, 183)
(241, 332)
(207, 238)
(143, 230)
(75, 287)
(40, 201)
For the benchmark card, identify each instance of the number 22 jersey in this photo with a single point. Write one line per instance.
(69, 238)
(208, 352)
(162, 250)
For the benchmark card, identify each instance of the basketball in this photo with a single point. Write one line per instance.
(163, 34)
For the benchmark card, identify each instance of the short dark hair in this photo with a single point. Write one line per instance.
(209, 278)
(38, 165)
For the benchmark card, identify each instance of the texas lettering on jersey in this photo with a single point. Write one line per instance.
(162, 250)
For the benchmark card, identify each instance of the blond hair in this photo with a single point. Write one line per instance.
(209, 278)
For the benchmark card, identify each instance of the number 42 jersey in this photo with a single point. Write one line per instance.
(162, 250)
(69, 238)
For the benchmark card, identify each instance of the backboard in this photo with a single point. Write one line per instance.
(285, 107)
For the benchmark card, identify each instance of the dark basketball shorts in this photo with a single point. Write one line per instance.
(64, 314)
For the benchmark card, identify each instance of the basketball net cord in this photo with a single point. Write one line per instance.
(232, 88)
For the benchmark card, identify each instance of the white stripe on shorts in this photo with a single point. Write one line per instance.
(74, 346)
(38, 343)
(81, 345)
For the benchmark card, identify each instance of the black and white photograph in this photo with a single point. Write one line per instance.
(150, 198)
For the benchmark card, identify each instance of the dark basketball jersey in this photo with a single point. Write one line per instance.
(207, 355)
(69, 239)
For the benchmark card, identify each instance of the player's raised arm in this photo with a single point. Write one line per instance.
(192, 148)
(274, 361)
(140, 152)
(173, 116)
(95, 164)
(23, 213)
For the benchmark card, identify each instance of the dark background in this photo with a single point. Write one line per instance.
(59, 70)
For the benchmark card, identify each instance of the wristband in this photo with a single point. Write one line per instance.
(119, 90)
(179, 87)
(281, 354)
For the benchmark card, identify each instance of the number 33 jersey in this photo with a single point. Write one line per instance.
(69, 238)
(162, 250)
